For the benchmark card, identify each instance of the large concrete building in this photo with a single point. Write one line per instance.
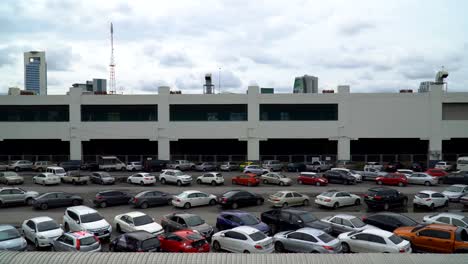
(305, 84)
(35, 72)
(253, 125)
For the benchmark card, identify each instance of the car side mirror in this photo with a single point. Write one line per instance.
(222, 235)
(353, 237)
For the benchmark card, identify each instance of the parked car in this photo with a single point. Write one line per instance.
(342, 223)
(235, 218)
(187, 199)
(70, 165)
(437, 172)
(418, 167)
(255, 169)
(373, 165)
(244, 164)
(102, 177)
(447, 218)
(13, 195)
(142, 178)
(373, 240)
(370, 174)
(80, 241)
(238, 198)
(430, 199)
(292, 219)
(186, 241)
(392, 179)
(213, 178)
(155, 165)
(110, 198)
(136, 221)
(249, 179)
(3, 166)
(41, 231)
(405, 172)
(382, 197)
(296, 166)
(181, 221)
(181, 165)
(10, 178)
(460, 177)
(83, 218)
(134, 166)
(206, 166)
(109, 163)
(59, 171)
(306, 240)
(229, 166)
(464, 200)
(56, 199)
(41, 166)
(137, 241)
(276, 178)
(46, 179)
(436, 238)
(19, 165)
(393, 166)
(312, 178)
(11, 239)
(90, 166)
(175, 176)
(75, 177)
(422, 178)
(334, 199)
(287, 198)
(353, 173)
(388, 221)
(443, 165)
(455, 192)
(318, 166)
(150, 198)
(272, 165)
(339, 177)
(242, 239)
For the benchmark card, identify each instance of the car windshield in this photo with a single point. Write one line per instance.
(454, 189)
(178, 173)
(47, 225)
(150, 243)
(59, 171)
(142, 220)
(465, 220)
(357, 222)
(9, 173)
(279, 194)
(422, 195)
(194, 220)
(92, 217)
(257, 236)
(87, 241)
(308, 217)
(249, 219)
(327, 194)
(325, 237)
(406, 221)
(395, 239)
(9, 234)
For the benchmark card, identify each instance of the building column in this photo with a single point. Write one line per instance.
(75, 149)
(164, 149)
(435, 150)
(344, 149)
(253, 149)
(435, 124)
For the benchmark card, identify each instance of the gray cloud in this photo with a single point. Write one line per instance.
(267, 59)
(150, 86)
(60, 59)
(175, 59)
(7, 56)
(352, 28)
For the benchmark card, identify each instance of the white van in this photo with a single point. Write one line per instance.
(462, 164)
(109, 163)
(58, 171)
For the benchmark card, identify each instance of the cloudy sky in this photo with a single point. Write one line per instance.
(370, 45)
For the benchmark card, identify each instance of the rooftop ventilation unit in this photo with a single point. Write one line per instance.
(328, 91)
(406, 91)
(208, 87)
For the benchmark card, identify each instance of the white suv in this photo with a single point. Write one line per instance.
(134, 166)
(213, 178)
(83, 218)
(175, 176)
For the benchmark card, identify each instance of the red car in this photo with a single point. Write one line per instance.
(187, 241)
(392, 179)
(311, 178)
(248, 179)
(436, 172)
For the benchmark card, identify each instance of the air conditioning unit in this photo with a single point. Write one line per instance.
(328, 91)
(406, 91)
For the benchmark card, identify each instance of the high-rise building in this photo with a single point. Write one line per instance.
(35, 72)
(424, 87)
(98, 86)
(306, 84)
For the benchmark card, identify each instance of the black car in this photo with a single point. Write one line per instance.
(393, 166)
(137, 241)
(56, 199)
(418, 167)
(455, 178)
(154, 165)
(296, 166)
(109, 198)
(383, 197)
(238, 198)
(291, 219)
(339, 176)
(101, 177)
(71, 165)
(91, 166)
(150, 198)
(388, 221)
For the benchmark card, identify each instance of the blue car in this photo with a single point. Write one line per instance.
(231, 219)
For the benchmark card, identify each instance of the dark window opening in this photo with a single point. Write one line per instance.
(116, 113)
(298, 112)
(208, 112)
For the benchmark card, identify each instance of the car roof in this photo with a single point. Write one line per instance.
(184, 215)
(6, 227)
(235, 212)
(191, 191)
(170, 170)
(460, 185)
(376, 231)
(378, 189)
(82, 209)
(139, 235)
(54, 167)
(294, 211)
(246, 229)
(9, 188)
(451, 215)
(47, 174)
(428, 192)
(345, 216)
(80, 234)
(143, 173)
(310, 231)
(134, 214)
(41, 219)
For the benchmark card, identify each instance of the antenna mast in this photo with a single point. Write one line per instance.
(112, 63)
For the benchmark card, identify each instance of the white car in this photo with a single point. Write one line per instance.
(175, 176)
(373, 165)
(406, 172)
(351, 172)
(373, 240)
(134, 166)
(447, 218)
(242, 239)
(83, 218)
(188, 199)
(136, 221)
(335, 199)
(421, 178)
(59, 171)
(41, 231)
(455, 192)
(46, 179)
(342, 223)
(430, 199)
(213, 178)
(142, 178)
(443, 165)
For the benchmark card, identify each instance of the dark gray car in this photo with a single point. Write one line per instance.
(56, 199)
(174, 222)
(101, 177)
(77, 242)
(150, 198)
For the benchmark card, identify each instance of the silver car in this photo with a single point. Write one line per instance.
(276, 178)
(11, 195)
(80, 241)
(229, 166)
(342, 223)
(18, 165)
(272, 165)
(3, 166)
(205, 166)
(455, 192)
(255, 169)
(11, 239)
(421, 178)
(287, 198)
(9, 177)
(306, 240)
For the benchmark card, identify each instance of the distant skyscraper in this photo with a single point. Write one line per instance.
(306, 84)
(424, 87)
(35, 72)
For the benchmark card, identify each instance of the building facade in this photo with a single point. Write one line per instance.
(35, 72)
(305, 84)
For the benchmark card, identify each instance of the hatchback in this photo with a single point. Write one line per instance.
(80, 241)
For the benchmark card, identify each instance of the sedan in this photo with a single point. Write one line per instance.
(142, 178)
(255, 169)
(389, 221)
(186, 241)
(237, 198)
(46, 179)
(447, 218)
(242, 239)
(335, 199)
(276, 178)
(422, 178)
(11, 239)
(235, 218)
(287, 198)
(41, 231)
(342, 223)
(456, 191)
(136, 221)
(109, 198)
(392, 179)
(430, 199)
(246, 179)
(150, 198)
(188, 199)
(373, 241)
(306, 240)
(102, 177)
(205, 166)
(56, 199)
(9, 177)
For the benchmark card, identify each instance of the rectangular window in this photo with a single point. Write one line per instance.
(298, 112)
(116, 113)
(34, 113)
(209, 112)
(455, 111)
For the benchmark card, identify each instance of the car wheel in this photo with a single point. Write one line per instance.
(431, 207)
(386, 206)
(345, 247)
(317, 183)
(299, 182)
(67, 227)
(216, 246)
(440, 181)
(129, 181)
(246, 252)
(163, 181)
(44, 206)
(213, 183)
(427, 183)
(265, 181)
(281, 183)
(76, 202)
(29, 201)
(179, 183)
(234, 206)
(336, 205)
(199, 181)
(118, 228)
(212, 202)
(17, 169)
(357, 202)
(305, 202)
(285, 205)
(39, 170)
(259, 201)
(73, 182)
(187, 205)
(279, 247)
(103, 204)
(446, 204)
(144, 205)
(379, 182)
(142, 183)
(124, 169)
(400, 184)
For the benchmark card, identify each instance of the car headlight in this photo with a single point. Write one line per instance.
(41, 237)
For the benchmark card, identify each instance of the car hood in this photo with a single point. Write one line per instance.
(32, 193)
(13, 177)
(16, 243)
(95, 225)
(261, 226)
(285, 180)
(319, 225)
(403, 230)
(185, 177)
(51, 233)
(150, 228)
(201, 228)
(451, 194)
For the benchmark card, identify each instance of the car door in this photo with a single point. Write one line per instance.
(29, 230)
(203, 198)
(62, 199)
(359, 243)
(438, 198)
(239, 242)
(436, 240)
(74, 222)
(179, 223)
(294, 242)
(193, 199)
(297, 198)
(377, 244)
(17, 196)
(338, 226)
(172, 243)
(289, 198)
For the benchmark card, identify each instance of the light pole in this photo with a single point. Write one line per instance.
(219, 79)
